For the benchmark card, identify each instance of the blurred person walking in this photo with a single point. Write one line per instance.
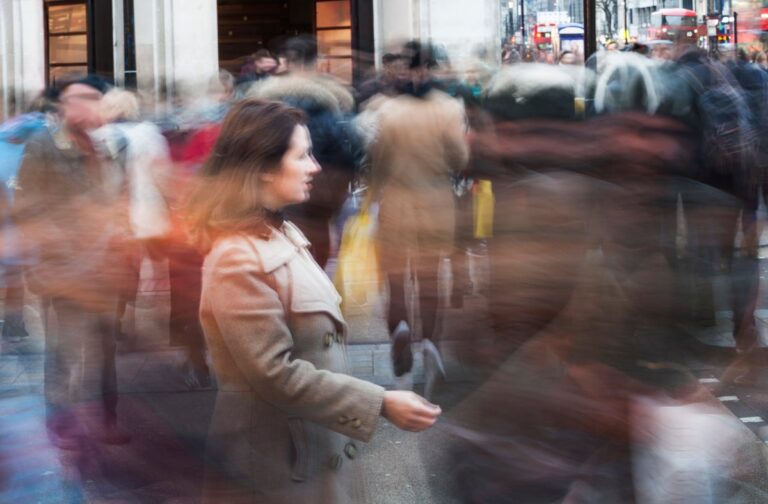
(286, 413)
(71, 205)
(147, 168)
(419, 145)
(14, 135)
(388, 82)
(329, 106)
(728, 113)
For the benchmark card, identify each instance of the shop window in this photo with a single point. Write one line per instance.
(333, 25)
(67, 39)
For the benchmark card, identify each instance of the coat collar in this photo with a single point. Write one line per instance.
(276, 247)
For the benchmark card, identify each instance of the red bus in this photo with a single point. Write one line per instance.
(764, 19)
(542, 35)
(676, 25)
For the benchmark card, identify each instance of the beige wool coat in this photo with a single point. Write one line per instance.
(288, 421)
(418, 144)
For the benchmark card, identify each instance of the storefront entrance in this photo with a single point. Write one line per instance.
(342, 28)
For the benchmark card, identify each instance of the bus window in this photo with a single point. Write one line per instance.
(679, 21)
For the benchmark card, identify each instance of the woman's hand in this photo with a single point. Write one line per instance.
(409, 411)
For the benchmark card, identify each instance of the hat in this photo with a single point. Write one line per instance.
(94, 81)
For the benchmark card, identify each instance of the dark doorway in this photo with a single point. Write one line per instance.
(245, 26)
(79, 40)
(343, 28)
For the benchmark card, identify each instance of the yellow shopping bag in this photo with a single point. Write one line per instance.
(483, 202)
(357, 277)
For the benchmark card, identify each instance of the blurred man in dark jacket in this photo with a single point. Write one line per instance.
(71, 207)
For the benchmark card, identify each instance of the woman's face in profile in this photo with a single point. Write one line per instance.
(292, 183)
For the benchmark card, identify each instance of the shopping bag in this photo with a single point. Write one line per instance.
(357, 277)
(483, 203)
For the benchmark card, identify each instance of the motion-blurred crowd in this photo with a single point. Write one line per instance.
(606, 199)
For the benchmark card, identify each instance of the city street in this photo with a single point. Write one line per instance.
(169, 421)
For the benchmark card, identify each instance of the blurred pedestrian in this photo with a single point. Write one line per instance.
(13, 137)
(328, 106)
(257, 67)
(420, 144)
(147, 168)
(387, 82)
(71, 205)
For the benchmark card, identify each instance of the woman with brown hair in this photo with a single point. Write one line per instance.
(286, 413)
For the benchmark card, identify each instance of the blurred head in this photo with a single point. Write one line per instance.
(222, 85)
(760, 59)
(567, 58)
(264, 62)
(420, 59)
(119, 105)
(393, 66)
(534, 90)
(262, 160)
(299, 53)
(80, 103)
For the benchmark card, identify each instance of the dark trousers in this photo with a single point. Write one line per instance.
(712, 228)
(80, 368)
(426, 274)
(185, 268)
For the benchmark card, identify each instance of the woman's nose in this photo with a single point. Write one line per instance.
(315, 166)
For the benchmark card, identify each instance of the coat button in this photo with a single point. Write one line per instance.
(356, 423)
(350, 450)
(328, 339)
(343, 419)
(336, 461)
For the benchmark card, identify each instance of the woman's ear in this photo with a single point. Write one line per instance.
(267, 177)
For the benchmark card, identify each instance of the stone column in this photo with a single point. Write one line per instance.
(22, 54)
(395, 22)
(177, 51)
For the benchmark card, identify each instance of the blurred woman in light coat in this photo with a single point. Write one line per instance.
(287, 416)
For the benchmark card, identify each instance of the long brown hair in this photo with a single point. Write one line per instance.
(226, 198)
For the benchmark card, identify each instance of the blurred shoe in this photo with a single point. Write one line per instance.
(434, 368)
(746, 369)
(749, 377)
(196, 376)
(402, 355)
(13, 327)
(63, 442)
(65, 433)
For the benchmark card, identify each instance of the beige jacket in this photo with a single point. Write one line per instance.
(418, 145)
(286, 412)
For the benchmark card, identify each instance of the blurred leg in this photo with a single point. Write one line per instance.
(428, 295)
(13, 318)
(745, 283)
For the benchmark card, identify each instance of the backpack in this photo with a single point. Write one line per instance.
(729, 143)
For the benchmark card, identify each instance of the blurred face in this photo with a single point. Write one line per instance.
(292, 183)
(80, 107)
(265, 65)
(568, 59)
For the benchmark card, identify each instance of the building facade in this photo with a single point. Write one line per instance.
(168, 48)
